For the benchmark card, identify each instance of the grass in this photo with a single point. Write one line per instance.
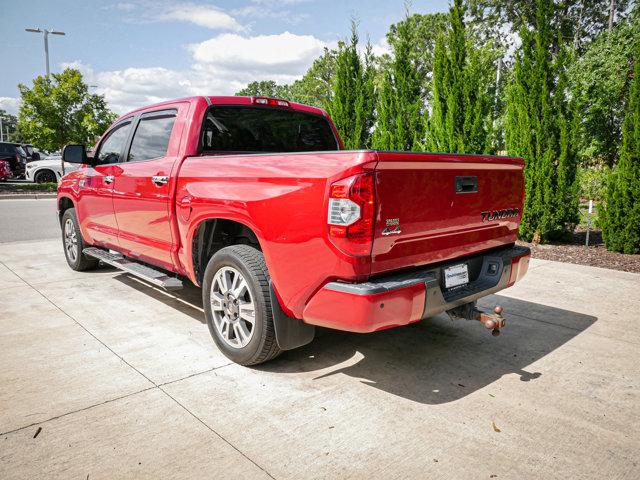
(29, 187)
(39, 187)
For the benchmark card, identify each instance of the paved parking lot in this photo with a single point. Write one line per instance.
(105, 377)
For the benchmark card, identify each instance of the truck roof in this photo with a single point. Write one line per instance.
(225, 100)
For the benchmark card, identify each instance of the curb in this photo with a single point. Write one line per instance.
(28, 196)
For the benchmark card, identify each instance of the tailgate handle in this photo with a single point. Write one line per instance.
(466, 184)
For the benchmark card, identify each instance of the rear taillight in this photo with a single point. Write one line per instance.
(351, 214)
(272, 102)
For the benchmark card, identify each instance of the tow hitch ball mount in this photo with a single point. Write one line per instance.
(491, 321)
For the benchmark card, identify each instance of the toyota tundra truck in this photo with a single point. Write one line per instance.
(256, 201)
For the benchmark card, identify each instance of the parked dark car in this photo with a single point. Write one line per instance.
(16, 156)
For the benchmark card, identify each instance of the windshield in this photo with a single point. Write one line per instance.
(265, 129)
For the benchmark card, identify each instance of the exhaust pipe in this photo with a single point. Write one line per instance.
(491, 321)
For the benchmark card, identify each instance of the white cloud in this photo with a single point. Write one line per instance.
(202, 15)
(283, 53)
(10, 104)
(221, 66)
(381, 47)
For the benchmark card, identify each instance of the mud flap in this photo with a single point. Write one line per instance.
(290, 332)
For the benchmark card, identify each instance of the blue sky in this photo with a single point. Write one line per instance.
(140, 51)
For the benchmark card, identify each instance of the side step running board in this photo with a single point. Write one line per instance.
(144, 272)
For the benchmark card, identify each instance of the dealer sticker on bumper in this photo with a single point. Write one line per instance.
(456, 275)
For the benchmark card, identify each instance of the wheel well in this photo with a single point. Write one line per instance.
(63, 205)
(214, 234)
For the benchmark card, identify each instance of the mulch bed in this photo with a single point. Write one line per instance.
(596, 255)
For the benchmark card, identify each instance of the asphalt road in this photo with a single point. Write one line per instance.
(24, 220)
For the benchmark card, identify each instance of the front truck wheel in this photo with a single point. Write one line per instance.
(73, 243)
(235, 294)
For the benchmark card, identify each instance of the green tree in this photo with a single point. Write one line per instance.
(423, 31)
(576, 22)
(399, 106)
(540, 128)
(9, 126)
(60, 110)
(265, 88)
(460, 119)
(352, 103)
(600, 83)
(315, 88)
(621, 226)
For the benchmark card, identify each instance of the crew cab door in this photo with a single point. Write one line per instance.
(143, 185)
(95, 208)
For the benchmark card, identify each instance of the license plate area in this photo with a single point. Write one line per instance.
(456, 275)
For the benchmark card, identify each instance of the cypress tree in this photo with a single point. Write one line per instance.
(461, 107)
(351, 106)
(621, 226)
(540, 128)
(399, 105)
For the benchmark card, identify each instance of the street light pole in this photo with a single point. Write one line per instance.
(45, 33)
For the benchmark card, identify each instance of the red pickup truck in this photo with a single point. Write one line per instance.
(255, 200)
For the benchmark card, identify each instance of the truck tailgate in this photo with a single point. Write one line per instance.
(435, 207)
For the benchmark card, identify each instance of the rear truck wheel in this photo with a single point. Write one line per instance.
(73, 243)
(45, 176)
(237, 305)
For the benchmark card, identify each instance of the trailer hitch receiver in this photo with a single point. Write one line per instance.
(491, 321)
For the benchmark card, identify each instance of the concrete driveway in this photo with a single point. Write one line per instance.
(106, 377)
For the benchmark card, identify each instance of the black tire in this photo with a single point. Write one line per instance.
(249, 261)
(79, 262)
(45, 176)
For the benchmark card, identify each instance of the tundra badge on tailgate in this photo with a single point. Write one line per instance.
(393, 226)
(499, 214)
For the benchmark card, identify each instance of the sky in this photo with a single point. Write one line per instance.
(137, 52)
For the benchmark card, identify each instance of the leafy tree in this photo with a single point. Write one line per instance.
(621, 226)
(316, 86)
(266, 88)
(60, 110)
(423, 31)
(9, 126)
(399, 106)
(461, 109)
(574, 21)
(353, 100)
(540, 128)
(600, 83)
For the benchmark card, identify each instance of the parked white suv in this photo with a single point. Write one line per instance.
(48, 169)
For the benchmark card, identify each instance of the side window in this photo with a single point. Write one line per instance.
(111, 147)
(152, 136)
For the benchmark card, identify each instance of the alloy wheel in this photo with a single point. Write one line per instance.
(70, 240)
(233, 307)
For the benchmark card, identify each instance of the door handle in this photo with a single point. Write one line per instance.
(160, 179)
(107, 179)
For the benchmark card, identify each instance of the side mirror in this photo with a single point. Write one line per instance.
(75, 154)
(35, 156)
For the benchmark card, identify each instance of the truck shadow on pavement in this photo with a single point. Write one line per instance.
(434, 361)
(437, 360)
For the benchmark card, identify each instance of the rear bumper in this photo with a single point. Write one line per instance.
(400, 299)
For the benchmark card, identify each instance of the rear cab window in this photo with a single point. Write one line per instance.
(238, 129)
